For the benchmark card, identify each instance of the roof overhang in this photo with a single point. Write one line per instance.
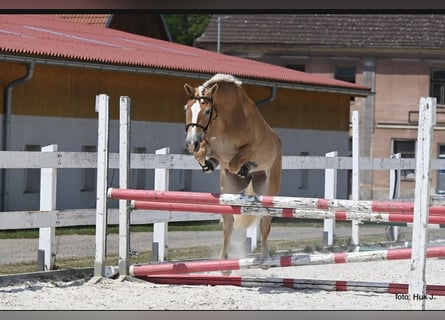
(178, 73)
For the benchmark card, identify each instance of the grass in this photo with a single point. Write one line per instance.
(112, 229)
(191, 226)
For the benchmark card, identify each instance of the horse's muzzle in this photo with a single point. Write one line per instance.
(192, 146)
(196, 146)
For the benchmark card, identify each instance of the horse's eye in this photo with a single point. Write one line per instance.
(207, 111)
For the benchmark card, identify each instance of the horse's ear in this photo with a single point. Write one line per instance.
(189, 89)
(213, 89)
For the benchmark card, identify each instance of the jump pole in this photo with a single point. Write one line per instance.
(298, 284)
(278, 261)
(392, 207)
(282, 213)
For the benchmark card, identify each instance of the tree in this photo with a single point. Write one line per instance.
(185, 28)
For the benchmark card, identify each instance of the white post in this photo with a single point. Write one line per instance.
(48, 195)
(355, 174)
(253, 232)
(392, 232)
(427, 120)
(102, 102)
(160, 229)
(124, 174)
(330, 192)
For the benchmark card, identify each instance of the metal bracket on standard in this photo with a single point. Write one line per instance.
(155, 252)
(40, 260)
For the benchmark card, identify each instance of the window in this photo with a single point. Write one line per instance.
(437, 85)
(406, 148)
(88, 175)
(441, 172)
(298, 67)
(345, 74)
(139, 175)
(32, 176)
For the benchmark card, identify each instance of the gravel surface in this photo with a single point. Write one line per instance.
(108, 294)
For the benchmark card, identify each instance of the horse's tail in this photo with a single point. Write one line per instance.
(245, 221)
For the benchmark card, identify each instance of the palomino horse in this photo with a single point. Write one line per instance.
(224, 126)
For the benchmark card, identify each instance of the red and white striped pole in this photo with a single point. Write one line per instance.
(278, 261)
(203, 198)
(280, 212)
(298, 284)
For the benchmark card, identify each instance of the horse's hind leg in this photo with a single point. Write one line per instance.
(260, 183)
(265, 230)
(227, 230)
(229, 183)
(264, 184)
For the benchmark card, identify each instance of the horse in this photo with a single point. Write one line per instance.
(224, 127)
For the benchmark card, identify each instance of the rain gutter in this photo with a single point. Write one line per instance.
(273, 94)
(6, 127)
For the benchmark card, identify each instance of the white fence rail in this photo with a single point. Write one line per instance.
(73, 217)
(79, 217)
(73, 160)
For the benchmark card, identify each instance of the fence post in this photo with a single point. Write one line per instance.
(392, 232)
(330, 192)
(355, 174)
(427, 120)
(252, 236)
(160, 229)
(102, 102)
(124, 174)
(48, 195)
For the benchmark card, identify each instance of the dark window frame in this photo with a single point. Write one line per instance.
(406, 151)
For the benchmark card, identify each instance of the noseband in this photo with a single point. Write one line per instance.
(212, 107)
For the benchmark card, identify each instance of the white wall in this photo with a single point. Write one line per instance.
(71, 134)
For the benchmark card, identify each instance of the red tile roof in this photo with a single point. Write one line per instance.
(364, 31)
(54, 38)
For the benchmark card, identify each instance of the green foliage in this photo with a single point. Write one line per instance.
(185, 28)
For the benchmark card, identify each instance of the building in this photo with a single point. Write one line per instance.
(399, 56)
(52, 69)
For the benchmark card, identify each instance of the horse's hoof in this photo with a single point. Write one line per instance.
(245, 169)
(209, 165)
(206, 168)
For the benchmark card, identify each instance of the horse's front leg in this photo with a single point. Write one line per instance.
(240, 164)
(207, 165)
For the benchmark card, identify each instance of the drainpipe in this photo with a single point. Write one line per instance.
(6, 128)
(273, 94)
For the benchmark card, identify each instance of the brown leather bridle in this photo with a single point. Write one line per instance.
(212, 110)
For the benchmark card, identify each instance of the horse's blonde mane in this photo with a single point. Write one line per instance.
(222, 77)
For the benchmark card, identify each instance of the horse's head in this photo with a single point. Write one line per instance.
(199, 113)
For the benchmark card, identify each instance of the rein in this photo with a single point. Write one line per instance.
(212, 107)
